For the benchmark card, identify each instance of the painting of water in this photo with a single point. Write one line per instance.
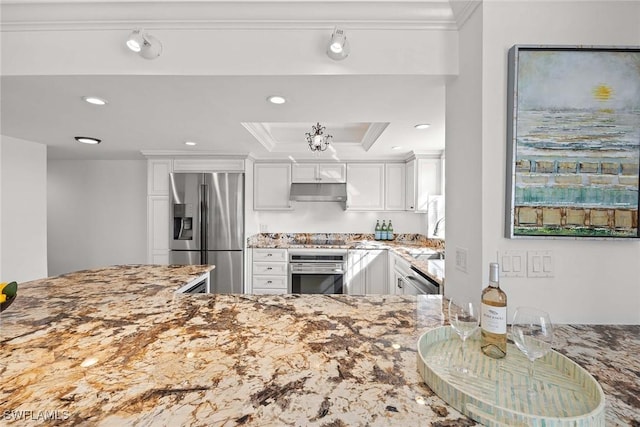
(574, 142)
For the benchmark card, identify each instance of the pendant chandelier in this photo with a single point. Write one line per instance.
(317, 139)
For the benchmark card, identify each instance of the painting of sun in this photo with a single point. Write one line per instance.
(573, 142)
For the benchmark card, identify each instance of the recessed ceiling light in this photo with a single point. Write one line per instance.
(422, 126)
(94, 100)
(87, 140)
(276, 99)
(191, 143)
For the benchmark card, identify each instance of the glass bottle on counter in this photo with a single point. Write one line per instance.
(378, 230)
(383, 230)
(494, 316)
(390, 231)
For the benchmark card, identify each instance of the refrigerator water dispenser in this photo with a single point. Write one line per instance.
(182, 221)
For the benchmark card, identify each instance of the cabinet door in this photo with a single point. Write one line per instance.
(158, 229)
(394, 187)
(332, 172)
(376, 273)
(428, 182)
(365, 186)
(158, 177)
(271, 185)
(304, 172)
(410, 199)
(355, 277)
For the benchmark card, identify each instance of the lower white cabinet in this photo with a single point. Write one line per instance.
(158, 229)
(269, 271)
(367, 272)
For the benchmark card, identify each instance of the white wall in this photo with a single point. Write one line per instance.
(594, 281)
(23, 190)
(97, 213)
(464, 187)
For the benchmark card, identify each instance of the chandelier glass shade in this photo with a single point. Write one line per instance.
(317, 139)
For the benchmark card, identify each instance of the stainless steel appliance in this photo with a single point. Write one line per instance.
(207, 225)
(317, 271)
(411, 281)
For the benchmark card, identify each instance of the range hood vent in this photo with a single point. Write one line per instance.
(312, 192)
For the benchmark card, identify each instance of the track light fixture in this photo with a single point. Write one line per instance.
(338, 48)
(144, 44)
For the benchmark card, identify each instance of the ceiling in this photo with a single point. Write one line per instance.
(370, 115)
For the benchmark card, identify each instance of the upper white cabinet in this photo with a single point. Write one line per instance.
(158, 177)
(365, 186)
(208, 165)
(271, 186)
(319, 172)
(424, 179)
(394, 186)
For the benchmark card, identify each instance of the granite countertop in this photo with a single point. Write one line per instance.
(407, 246)
(117, 346)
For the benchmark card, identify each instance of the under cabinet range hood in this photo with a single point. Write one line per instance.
(312, 192)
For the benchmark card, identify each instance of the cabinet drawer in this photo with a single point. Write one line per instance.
(270, 268)
(270, 282)
(269, 291)
(270, 255)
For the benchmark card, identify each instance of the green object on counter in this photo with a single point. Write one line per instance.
(11, 289)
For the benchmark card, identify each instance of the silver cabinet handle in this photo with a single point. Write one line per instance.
(269, 268)
(269, 254)
(269, 281)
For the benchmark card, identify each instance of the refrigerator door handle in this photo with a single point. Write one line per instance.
(204, 221)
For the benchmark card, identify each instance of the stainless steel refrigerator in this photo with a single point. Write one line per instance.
(207, 227)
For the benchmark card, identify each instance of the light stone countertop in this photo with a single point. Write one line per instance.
(116, 346)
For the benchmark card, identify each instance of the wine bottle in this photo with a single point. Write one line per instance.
(390, 231)
(383, 230)
(378, 230)
(494, 316)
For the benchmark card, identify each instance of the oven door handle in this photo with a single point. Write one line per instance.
(319, 271)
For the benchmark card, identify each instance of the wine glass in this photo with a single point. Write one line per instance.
(532, 332)
(464, 319)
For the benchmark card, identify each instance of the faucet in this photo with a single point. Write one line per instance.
(436, 228)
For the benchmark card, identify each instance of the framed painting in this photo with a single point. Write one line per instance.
(573, 138)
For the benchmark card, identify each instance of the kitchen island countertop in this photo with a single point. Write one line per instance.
(117, 346)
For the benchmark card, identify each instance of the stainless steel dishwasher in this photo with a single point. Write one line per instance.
(411, 281)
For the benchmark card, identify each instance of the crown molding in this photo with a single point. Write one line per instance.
(261, 134)
(372, 134)
(463, 9)
(51, 15)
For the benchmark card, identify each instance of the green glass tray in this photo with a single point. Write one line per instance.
(495, 392)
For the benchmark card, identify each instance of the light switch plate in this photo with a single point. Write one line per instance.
(513, 264)
(540, 264)
(461, 259)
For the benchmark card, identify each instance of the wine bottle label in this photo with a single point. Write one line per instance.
(494, 319)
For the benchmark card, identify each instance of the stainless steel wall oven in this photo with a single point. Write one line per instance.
(317, 271)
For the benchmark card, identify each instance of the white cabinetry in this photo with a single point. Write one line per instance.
(365, 186)
(271, 186)
(394, 186)
(269, 271)
(319, 172)
(158, 210)
(398, 284)
(424, 179)
(367, 272)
